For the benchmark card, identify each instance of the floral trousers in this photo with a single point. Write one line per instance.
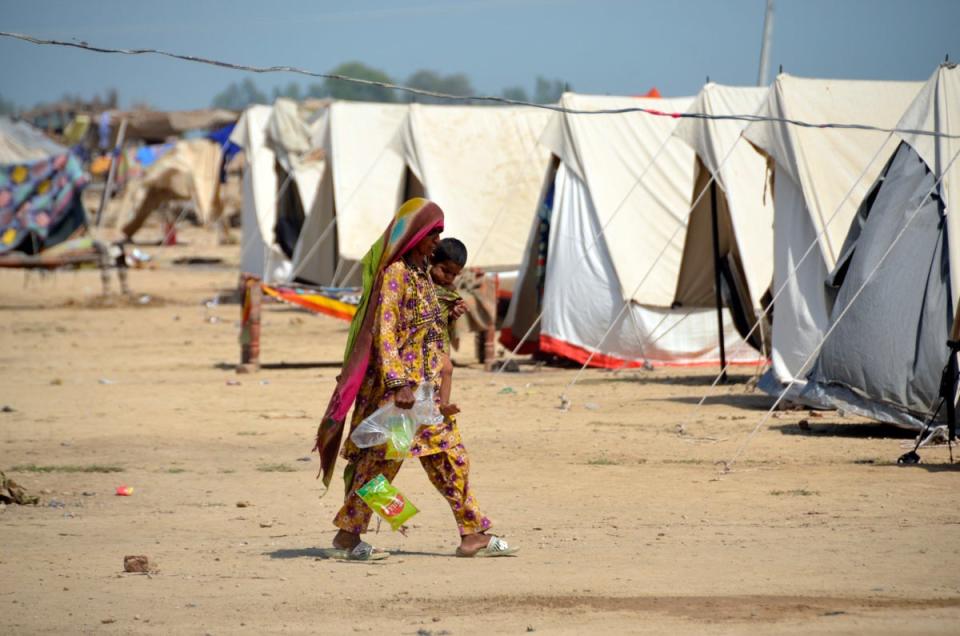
(448, 471)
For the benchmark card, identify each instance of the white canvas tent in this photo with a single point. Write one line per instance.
(362, 186)
(818, 174)
(896, 279)
(22, 143)
(484, 167)
(481, 164)
(280, 180)
(625, 174)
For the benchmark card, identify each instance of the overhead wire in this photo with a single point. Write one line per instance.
(83, 45)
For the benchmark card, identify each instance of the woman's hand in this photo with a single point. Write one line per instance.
(458, 309)
(404, 398)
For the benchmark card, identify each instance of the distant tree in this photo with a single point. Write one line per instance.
(516, 93)
(7, 107)
(317, 90)
(238, 96)
(548, 91)
(291, 90)
(457, 84)
(340, 89)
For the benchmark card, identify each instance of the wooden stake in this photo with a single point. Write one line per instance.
(250, 324)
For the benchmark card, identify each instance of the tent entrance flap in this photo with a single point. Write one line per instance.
(527, 301)
(696, 284)
(884, 358)
(290, 213)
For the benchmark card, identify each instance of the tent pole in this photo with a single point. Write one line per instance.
(716, 278)
(114, 157)
(765, 46)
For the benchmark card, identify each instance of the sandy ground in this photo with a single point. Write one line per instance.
(624, 525)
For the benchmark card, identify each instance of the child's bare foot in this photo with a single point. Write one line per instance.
(448, 410)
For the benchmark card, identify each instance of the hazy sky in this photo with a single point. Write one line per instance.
(597, 46)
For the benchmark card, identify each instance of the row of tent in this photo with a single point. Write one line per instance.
(620, 225)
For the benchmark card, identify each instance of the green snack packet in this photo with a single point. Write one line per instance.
(384, 499)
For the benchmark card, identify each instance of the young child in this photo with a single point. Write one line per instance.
(447, 263)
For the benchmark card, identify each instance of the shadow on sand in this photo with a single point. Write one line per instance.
(336, 555)
(746, 401)
(281, 366)
(636, 376)
(855, 430)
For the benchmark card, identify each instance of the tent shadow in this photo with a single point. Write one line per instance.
(639, 376)
(280, 366)
(853, 430)
(746, 401)
(934, 468)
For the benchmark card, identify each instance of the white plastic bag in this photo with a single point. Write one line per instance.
(396, 427)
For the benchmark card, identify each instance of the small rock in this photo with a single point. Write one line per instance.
(107, 621)
(56, 382)
(266, 524)
(233, 382)
(803, 425)
(244, 504)
(304, 459)
(592, 406)
(106, 381)
(88, 493)
(530, 628)
(136, 563)
(8, 409)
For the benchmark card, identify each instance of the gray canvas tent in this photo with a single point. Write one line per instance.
(895, 283)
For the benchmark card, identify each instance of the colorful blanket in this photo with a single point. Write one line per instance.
(331, 301)
(35, 197)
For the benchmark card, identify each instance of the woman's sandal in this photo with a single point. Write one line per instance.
(497, 547)
(363, 551)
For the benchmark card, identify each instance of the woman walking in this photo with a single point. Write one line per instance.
(396, 343)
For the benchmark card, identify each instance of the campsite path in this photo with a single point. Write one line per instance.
(624, 525)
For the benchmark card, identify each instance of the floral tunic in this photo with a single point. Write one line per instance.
(408, 346)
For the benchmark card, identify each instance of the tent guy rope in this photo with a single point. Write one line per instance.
(681, 428)
(727, 465)
(629, 300)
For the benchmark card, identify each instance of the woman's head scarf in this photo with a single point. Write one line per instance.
(411, 224)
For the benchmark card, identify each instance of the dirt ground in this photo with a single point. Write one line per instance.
(624, 524)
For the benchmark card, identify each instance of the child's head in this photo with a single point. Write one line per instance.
(448, 260)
